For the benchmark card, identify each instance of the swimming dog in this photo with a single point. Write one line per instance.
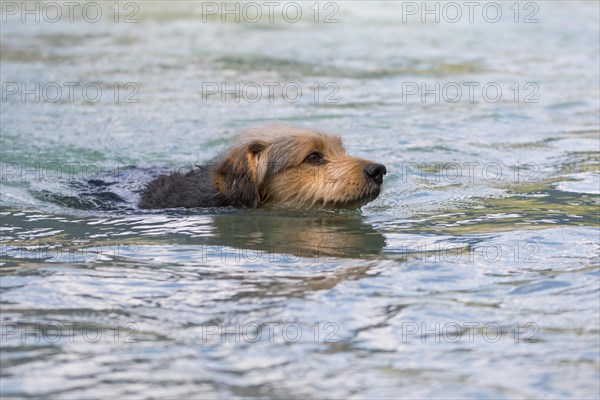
(273, 165)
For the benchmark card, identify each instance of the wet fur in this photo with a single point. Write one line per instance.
(267, 166)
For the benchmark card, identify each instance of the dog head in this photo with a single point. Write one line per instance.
(279, 164)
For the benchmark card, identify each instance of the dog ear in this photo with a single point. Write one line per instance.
(236, 176)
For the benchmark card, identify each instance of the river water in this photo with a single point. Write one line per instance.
(474, 274)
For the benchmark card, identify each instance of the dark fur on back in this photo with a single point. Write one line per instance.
(228, 180)
(192, 189)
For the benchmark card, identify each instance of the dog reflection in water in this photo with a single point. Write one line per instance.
(322, 238)
(273, 165)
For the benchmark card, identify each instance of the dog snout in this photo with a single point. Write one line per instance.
(376, 172)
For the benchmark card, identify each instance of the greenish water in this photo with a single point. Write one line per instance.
(474, 274)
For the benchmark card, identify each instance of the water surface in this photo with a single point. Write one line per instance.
(475, 273)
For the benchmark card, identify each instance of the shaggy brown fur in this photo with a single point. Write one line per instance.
(273, 165)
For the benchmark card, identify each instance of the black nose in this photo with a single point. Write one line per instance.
(376, 172)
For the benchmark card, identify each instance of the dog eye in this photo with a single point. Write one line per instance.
(314, 158)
